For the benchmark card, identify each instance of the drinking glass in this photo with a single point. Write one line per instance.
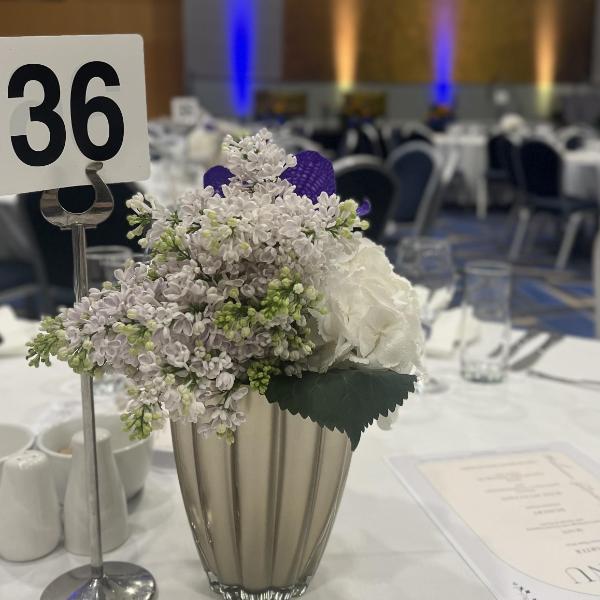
(102, 262)
(427, 263)
(485, 321)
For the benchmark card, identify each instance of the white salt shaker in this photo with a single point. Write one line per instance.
(113, 506)
(29, 511)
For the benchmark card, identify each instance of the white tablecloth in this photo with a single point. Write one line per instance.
(581, 174)
(471, 150)
(383, 545)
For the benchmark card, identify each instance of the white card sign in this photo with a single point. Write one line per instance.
(185, 110)
(67, 101)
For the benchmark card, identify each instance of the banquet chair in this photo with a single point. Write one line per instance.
(501, 175)
(362, 139)
(417, 132)
(429, 209)
(54, 245)
(327, 134)
(541, 163)
(23, 283)
(364, 177)
(392, 135)
(497, 167)
(416, 167)
(512, 161)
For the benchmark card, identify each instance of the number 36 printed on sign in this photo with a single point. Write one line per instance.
(68, 101)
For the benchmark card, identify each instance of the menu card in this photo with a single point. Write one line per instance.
(527, 522)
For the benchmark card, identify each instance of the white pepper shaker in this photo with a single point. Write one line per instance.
(113, 505)
(29, 511)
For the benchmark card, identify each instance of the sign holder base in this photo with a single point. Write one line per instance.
(120, 580)
(98, 580)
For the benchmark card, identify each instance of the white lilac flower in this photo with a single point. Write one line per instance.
(234, 282)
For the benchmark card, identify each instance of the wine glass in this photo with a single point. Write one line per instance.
(427, 263)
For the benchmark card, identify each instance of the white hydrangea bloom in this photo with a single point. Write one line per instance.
(372, 315)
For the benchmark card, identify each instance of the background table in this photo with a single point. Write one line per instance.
(471, 150)
(383, 545)
(581, 174)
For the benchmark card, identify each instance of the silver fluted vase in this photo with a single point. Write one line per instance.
(261, 510)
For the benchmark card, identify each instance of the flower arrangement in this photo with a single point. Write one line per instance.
(262, 280)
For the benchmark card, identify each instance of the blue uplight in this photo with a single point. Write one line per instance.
(240, 35)
(443, 53)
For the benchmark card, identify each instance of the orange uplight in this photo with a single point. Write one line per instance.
(545, 52)
(345, 40)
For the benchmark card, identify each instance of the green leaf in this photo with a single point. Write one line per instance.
(348, 400)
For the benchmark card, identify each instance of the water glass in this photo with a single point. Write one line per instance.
(427, 263)
(485, 321)
(102, 262)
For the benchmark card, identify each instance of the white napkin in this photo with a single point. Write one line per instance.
(571, 358)
(15, 332)
(204, 145)
(447, 333)
(433, 301)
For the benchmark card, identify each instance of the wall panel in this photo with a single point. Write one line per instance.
(158, 21)
(494, 40)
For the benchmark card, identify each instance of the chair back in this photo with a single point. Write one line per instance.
(512, 159)
(541, 164)
(416, 167)
(364, 177)
(391, 134)
(497, 151)
(363, 139)
(328, 135)
(55, 245)
(22, 274)
(417, 136)
(371, 133)
(417, 132)
(430, 207)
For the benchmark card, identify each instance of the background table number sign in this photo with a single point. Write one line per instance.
(67, 101)
(185, 110)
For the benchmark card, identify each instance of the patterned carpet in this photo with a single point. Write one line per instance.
(542, 297)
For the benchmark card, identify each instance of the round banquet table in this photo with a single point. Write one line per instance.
(471, 150)
(383, 545)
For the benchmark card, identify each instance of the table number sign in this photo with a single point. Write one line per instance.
(67, 101)
(70, 107)
(185, 110)
(527, 522)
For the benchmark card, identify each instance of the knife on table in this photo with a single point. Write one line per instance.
(530, 359)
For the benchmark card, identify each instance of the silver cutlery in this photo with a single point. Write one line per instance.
(530, 359)
(592, 384)
(516, 345)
